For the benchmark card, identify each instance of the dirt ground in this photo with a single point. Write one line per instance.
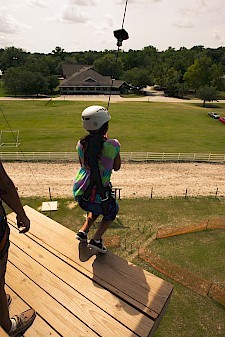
(136, 180)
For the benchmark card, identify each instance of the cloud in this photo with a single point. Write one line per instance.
(82, 2)
(218, 36)
(195, 8)
(186, 14)
(37, 4)
(138, 2)
(9, 25)
(71, 14)
(3, 40)
(184, 23)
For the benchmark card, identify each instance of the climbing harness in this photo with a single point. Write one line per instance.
(93, 117)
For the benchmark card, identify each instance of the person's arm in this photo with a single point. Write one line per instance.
(117, 163)
(10, 196)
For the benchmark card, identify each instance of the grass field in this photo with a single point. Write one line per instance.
(189, 314)
(140, 126)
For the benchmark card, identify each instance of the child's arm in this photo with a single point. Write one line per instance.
(10, 196)
(117, 163)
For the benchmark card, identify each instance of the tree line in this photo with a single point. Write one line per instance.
(198, 69)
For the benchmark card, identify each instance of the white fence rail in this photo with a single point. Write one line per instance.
(173, 157)
(126, 157)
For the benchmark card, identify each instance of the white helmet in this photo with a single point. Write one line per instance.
(94, 117)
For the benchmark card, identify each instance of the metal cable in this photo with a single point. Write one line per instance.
(116, 59)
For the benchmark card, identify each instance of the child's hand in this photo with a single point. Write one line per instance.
(23, 224)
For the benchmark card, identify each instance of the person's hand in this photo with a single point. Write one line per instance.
(23, 223)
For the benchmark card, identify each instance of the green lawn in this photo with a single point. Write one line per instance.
(140, 126)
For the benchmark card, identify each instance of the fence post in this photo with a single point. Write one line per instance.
(216, 192)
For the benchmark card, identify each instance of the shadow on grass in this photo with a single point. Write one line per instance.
(214, 106)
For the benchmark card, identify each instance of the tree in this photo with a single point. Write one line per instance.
(59, 52)
(11, 81)
(37, 63)
(137, 77)
(53, 82)
(172, 82)
(107, 66)
(203, 73)
(207, 93)
(20, 81)
(12, 57)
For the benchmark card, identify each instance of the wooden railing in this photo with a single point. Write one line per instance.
(125, 156)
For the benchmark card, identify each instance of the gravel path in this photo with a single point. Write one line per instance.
(136, 180)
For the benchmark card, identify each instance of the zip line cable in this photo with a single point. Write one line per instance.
(120, 35)
(124, 15)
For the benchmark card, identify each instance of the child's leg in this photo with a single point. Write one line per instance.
(107, 220)
(5, 321)
(90, 219)
(101, 229)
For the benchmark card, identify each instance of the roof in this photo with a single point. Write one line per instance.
(70, 69)
(88, 77)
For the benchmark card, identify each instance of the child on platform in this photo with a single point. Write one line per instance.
(98, 156)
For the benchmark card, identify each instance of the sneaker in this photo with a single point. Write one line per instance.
(81, 236)
(23, 322)
(97, 246)
(9, 299)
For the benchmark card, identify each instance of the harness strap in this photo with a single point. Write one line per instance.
(95, 180)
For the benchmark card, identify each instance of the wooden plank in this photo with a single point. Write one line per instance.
(138, 287)
(64, 322)
(39, 328)
(79, 305)
(3, 333)
(115, 307)
(168, 232)
(159, 318)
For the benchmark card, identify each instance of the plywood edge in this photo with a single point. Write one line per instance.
(160, 317)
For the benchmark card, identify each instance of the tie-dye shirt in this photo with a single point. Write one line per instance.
(110, 150)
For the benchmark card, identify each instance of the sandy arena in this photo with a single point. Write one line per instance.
(136, 180)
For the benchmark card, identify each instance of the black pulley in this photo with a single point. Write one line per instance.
(120, 35)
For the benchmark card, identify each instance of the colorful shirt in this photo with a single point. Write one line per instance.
(110, 150)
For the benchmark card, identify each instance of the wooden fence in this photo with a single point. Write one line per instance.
(125, 156)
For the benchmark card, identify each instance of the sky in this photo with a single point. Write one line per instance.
(81, 25)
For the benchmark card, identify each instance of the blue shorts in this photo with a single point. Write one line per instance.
(96, 208)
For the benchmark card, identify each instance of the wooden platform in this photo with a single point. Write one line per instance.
(75, 292)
